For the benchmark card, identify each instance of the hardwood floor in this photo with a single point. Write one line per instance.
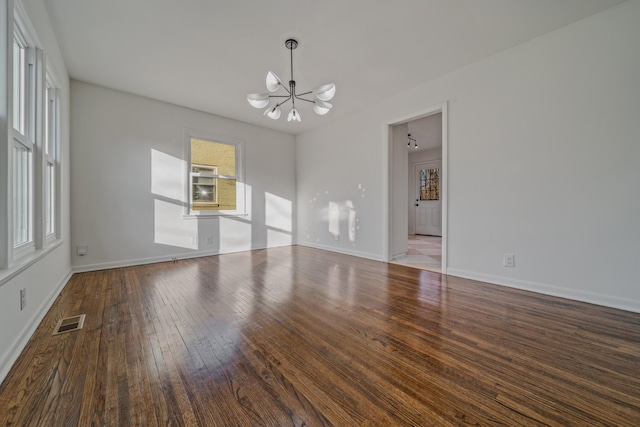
(298, 336)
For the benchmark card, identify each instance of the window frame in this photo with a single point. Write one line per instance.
(213, 175)
(25, 180)
(239, 177)
(25, 135)
(50, 152)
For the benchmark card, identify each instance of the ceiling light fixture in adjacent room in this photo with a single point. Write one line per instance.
(322, 93)
(410, 140)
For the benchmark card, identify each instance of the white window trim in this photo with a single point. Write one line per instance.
(240, 210)
(51, 157)
(27, 140)
(22, 249)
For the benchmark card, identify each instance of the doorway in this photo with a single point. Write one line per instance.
(417, 228)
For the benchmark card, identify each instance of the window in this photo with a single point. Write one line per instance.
(215, 184)
(430, 184)
(32, 148)
(50, 156)
(23, 146)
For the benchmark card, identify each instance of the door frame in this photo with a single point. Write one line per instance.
(388, 237)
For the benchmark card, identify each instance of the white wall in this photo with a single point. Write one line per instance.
(399, 198)
(543, 163)
(333, 169)
(128, 182)
(45, 278)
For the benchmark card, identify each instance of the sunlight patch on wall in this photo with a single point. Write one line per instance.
(351, 220)
(334, 219)
(171, 229)
(278, 212)
(167, 174)
(278, 238)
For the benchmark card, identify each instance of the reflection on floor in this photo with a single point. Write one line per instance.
(424, 252)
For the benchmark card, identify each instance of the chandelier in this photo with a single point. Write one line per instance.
(322, 94)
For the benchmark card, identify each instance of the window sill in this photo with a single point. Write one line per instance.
(214, 216)
(26, 261)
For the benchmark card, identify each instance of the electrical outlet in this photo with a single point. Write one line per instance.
(337, 237)
(509, 260)
(23, 298)
(209, 240)
(82, 250)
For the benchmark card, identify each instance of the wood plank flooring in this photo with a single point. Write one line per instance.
(300, 337)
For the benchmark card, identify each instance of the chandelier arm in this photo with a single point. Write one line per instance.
(308, 100)
(306, 93)
(279, 96)
(280, 103)
(285, 88)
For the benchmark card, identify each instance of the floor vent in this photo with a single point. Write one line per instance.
(69, 324)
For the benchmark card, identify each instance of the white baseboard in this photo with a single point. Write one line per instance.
(163, 258)
(21, 341)
(545, 289)
(344, 251)
(399, 256)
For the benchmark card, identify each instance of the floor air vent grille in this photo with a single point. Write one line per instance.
(69, 324)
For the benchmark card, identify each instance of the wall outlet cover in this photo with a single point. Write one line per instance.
(23, 298)
(509, 260)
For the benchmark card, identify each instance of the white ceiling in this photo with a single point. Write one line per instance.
(208, 54)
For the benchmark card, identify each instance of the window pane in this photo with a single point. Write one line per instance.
(21, 194)
(221, 156)
(50, 199)
(430, 184)
(47, 111)
(204, 189)
(227, 194)
(213, 193)
(19, 88)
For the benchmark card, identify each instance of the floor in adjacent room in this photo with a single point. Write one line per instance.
(424, 252)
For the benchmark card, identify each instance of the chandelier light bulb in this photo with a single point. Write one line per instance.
(294, 115)
(273, 113)
(273, 82)
(258, 100)
(321, 108)
(325, 92)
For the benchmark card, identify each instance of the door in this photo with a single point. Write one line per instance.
(428, 202)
